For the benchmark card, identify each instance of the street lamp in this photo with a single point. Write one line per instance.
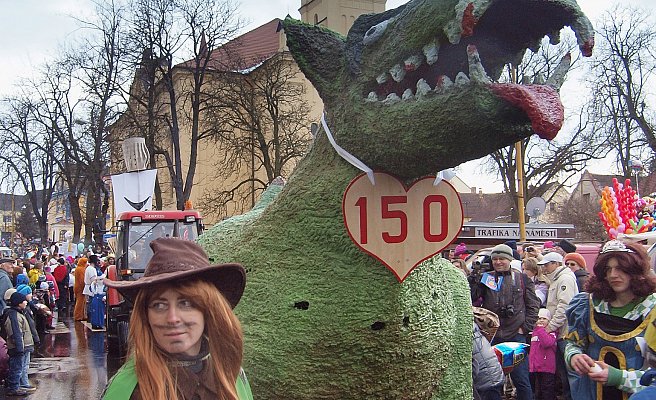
(636, 167)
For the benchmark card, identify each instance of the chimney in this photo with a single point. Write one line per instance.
(473, 190)
(480, 190)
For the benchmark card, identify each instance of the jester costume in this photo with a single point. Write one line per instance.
(600, 333)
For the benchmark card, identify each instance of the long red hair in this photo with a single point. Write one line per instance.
(222, 329)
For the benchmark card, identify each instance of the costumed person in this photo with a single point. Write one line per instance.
(20, 344)
(185, 340)
(79, 314)
(606, 325)
(97, 304)
(542, 358)
(511, 295)
(91, 274)
(649, 377)
(61, 278)
(577, 264)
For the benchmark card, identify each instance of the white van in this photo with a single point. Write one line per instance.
(5, 252)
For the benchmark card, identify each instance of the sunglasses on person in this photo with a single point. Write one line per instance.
(530, 249)
(571, 264)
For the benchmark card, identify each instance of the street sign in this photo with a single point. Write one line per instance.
(398, 225)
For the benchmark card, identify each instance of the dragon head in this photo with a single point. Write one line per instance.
(412, 90)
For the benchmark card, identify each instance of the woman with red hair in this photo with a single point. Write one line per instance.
(607, 324)
(185, 341)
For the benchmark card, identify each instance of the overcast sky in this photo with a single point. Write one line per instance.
(31, 31)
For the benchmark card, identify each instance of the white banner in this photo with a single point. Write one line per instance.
(133, 191)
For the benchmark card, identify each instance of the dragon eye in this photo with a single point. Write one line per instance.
(375, 32)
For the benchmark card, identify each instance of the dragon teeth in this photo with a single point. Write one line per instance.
(407, 95)
(423, 88)
(412, 63)
(397, 72)
(373, 97)
(392, 98)
(462, 79)
(476, 70)
(443, 83)
(382, 78)
(431, 51)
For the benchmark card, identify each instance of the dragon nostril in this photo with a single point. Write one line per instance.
(302, 305)
(378, 325)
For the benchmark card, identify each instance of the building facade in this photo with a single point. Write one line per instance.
(254, 48)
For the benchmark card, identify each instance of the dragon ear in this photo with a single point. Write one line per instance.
(319, 53)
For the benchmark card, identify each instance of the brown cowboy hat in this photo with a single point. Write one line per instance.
(178, 259)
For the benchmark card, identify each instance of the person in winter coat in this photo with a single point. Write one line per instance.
(541, 283)
(186, 342)
(61, 278)
(29, 313)
(561, 291)
(79, 314)
(6, 269)
(577, 264)
(20, 344)
(542, 358)
(511, 296)
(487, 374)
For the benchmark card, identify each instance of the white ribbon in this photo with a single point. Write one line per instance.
(445, 174)
(345, 154)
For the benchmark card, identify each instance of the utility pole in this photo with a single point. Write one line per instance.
(519, 161)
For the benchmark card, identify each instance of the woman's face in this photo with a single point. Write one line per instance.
(177, 326)
(529, 273)
(619, 280)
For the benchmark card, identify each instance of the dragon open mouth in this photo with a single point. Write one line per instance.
(488, 35)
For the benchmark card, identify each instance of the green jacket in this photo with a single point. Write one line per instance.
(121, 386)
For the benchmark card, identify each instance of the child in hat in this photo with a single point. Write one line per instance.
(20, 344)
(542, 358)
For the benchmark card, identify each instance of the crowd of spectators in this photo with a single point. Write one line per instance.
(588, 332)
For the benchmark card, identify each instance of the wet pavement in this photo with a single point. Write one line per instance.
(71, 363)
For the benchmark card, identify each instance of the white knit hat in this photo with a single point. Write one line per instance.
(544, 313)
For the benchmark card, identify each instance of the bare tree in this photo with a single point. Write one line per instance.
(57, 112)
(623, 66)
(261, 122)
(27, 152)
(582, 213)
(178, 42)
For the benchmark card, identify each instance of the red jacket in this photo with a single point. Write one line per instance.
(60, 273)
(542, 357)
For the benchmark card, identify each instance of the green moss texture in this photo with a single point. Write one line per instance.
(321, 319)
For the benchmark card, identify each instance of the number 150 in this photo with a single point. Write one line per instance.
(386, 213)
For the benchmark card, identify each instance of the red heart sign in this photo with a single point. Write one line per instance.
(399, 226)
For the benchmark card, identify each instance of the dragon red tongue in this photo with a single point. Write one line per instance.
(540, 102)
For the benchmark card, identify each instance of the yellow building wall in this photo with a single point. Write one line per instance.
(338, 15)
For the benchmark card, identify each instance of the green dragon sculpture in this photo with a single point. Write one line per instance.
(323, 320)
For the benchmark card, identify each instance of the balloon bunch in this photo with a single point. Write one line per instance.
(620, 209)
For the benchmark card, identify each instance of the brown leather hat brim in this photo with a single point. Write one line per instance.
(230, 279)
